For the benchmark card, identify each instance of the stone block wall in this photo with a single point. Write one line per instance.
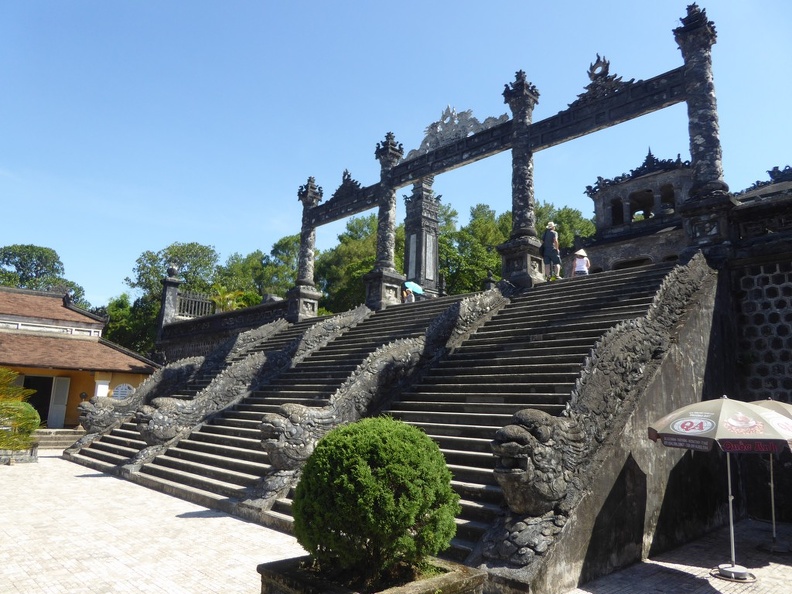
(764, 302)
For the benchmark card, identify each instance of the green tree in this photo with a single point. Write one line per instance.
(569, 222)
(26, 266)
(468, 255)
(122, 327)
(196, 265)
(279, 268)
(340, 270)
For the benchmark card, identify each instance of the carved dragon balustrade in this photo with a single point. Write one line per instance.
(543, 463)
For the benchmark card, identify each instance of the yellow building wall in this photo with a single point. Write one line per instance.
(82, 382)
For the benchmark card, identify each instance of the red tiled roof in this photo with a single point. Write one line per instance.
(66, 352)
(48, 306)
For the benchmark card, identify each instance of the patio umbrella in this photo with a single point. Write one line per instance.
(735, 426)
(785, 410)
(414, 287)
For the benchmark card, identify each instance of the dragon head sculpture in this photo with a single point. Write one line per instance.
(533, 465)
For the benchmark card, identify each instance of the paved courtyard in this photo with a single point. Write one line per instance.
(65, 528)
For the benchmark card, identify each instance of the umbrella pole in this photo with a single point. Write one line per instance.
(733, 571)
(772, 499)
(731, 513)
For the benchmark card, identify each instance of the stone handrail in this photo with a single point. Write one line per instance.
(544, 462)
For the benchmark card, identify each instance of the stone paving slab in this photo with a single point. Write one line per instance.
(687, 570)
(68, 529)
(65, 528)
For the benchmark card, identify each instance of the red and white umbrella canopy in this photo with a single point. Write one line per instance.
(736, 426)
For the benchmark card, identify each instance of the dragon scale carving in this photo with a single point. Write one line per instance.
(544, 463)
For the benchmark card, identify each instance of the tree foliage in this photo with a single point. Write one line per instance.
(569, 223)
(27, 266)
(195, 264)
(469, 255)
(18, 418)
(340, 270)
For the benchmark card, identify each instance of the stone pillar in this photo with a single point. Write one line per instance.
(521, 263)
(303, 297)
(169, 305)
(657, 206)
(705, 212)
(626, 210)
(421, 259)
(383, 284)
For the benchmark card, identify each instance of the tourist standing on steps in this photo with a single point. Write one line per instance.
(551, 257)
(582, 264)
(407, 296)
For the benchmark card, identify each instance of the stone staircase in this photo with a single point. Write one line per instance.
(529, 355)
(220, 461)
(56, 439)
(121, 444)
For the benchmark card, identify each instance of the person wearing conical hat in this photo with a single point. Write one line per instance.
(582, 264)
(550, 254)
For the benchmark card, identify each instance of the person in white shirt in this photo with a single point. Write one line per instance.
(582, 264)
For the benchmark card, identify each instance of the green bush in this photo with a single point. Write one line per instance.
(18, 419)
(375, 498)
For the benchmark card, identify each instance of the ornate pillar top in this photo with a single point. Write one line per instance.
(310, 194)
(696, 23)
(389, 152)
(520, 93)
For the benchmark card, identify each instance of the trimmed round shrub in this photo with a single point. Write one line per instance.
(374, 496)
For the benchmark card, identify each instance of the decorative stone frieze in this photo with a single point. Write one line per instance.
(451, 127)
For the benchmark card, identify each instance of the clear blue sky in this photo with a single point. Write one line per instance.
(128, 125)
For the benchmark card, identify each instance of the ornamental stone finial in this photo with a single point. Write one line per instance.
(310, 194)
(520, 92)
(695, 22)
(389, 152)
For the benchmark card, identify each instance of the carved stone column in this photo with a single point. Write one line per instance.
(421, 259)
(169, 304)
(705, 212)
(520, 259)
(383, 284)
(304, 298)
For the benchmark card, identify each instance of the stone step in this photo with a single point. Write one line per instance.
(451, 418)
(227, 440)
(226, 450)
(231, 430)
(500, 382)
(91, 462)
(196, 480)
(224, 459)
(562, 372)
(208, 497)
(479, 417)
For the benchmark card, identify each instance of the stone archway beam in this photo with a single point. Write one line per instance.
(634, 99)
